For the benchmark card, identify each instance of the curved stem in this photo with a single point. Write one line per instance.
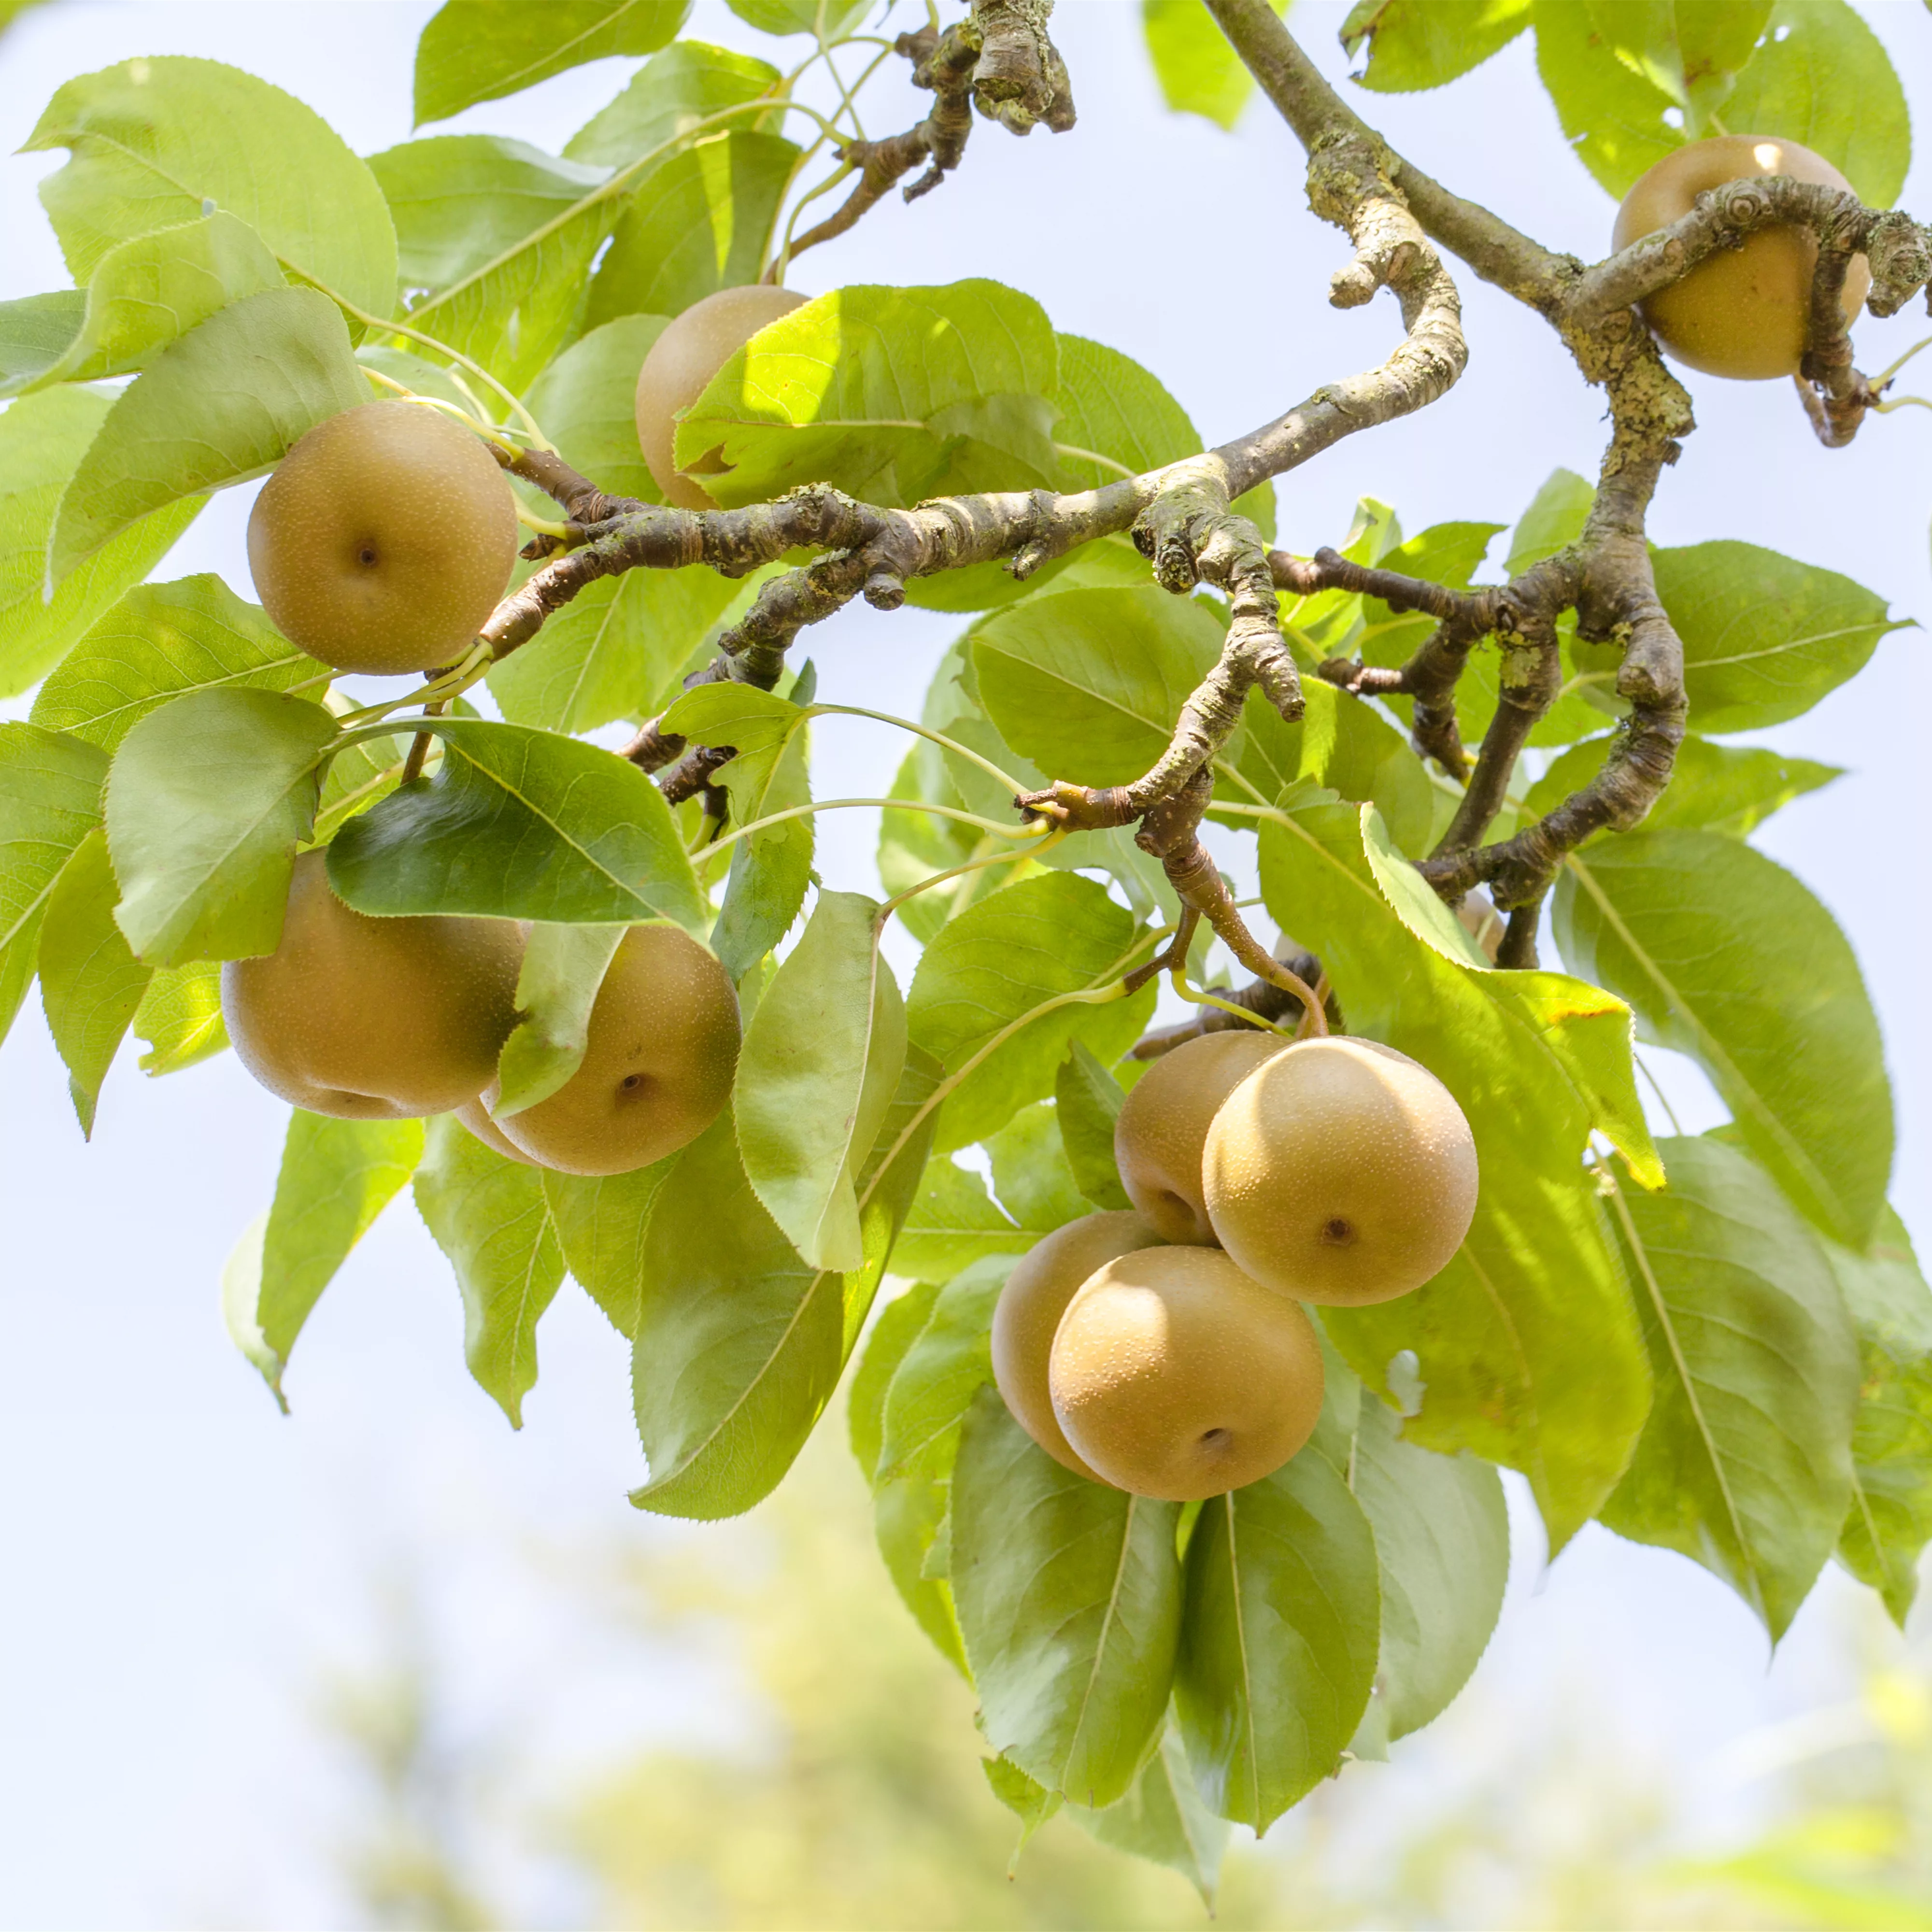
(991, 827)
(938, 738)
(892, 905)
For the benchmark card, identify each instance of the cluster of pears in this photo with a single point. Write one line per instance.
(1742, 312)
(1166, 1351)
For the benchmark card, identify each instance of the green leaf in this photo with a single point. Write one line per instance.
(490, 1216)
(35, 332)
(1088, 1099)
(1442, 1534)
(1745, 1464)
(1526, 1346)
(586, 401)
(1087, 684)
(475, 50)
(1890, 1520)
(49, 801)
(1418, 43)
(1764, 637)
(672, 90)
(90, 984)
(520, 824)
(1556, 518)
(933, 1387)
(826, 17)
(915, 845)
(164, 140)
(954, 1222)
(770, 869)
(220, 404)
(336, 1176)
(1199, 72)
(703, 222)
(150, 290)
(427, 379)
(820, 1063)
(1108, 407)
(895, 395)
(1689, 52)
(42, 440)
(1612, 116)
(1725, 956)
(208, 799)
(1033, 1805)
(562, 970)
(895, 1330)
(1165, 1820)
(161, 641)
(740, 1344)
(1277, 1638)
(1822, 77)
(602, 1222)
(993, 975)
(180, 1018)
(1726, 788)
(357, 776)
(1036, 1185)
(1069, 1597)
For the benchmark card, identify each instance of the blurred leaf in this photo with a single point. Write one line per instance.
(1745, 1465)
(1526, 1347)
(520, 824)
(1164, 1819)
(1036, 1185)
(208, 799)
(1691, 50)
(1418, 43)
(828, 17)
(1033, 1805)
(672, 90)
(161, 641)
(35, 332)
(1069, 1596)
(1612, 116)
(1199, 72)
(563, 971)
(164, 140)
(996, 969)
(475, 50)
(336, 1176)
(180, 1018)
(1087, 1100)
(489, 1216)
(90, 984)
(1087, 684)
(821, 1060)
(1890, 1520)
(602, 1221)
(1727, 788)
(42, 440)
(1277, 1638)
(1764, 637)
(895, 395)
(702, 222)
(219, 405)
(914, 845)
(1441, 1533)
(1725, 956)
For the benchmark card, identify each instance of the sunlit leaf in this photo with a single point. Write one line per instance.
(672, 91)
(180, 1018)
(563, 967)
(602, 1221)
(1420, 43)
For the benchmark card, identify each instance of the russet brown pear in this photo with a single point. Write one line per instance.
(1174, 1375)
(681, 362)
(372, 1019)
(658, 1056)
(384, 540)
(1742, 312)
(1163, 1126)
(1341, 1172)
(1044, 1280)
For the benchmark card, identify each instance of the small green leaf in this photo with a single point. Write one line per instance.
(1165, 1820)
(997, 969)
(180, 1018)
(1420, 43)
(490, 1216)
(1088, 1099)
(161, 641)
(674, 90)
(1442, 1534)
(702, 221)
(563, 967)
(219, 405)
(1069, 1596)
(601, 1221)
(828, 17)
(90, 984)
(336, 1176)
(1890, 1520)
(821, 1060)
(164, 140)
(1033, 1805)
(475, 50)
(1725, 956)
(1745, 1464)
(895, 1331)
(1612, 116)
(1727, 788)
(42, 440)
(893, 394)
(208, 799)
(1556, 518)
(1036, 1185)
(933, 1387)
(770, 869)
(36, 331)
(520, 824)
(1199, 72)
(1278, 1638)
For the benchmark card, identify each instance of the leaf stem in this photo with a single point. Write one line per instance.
(990, 826)
(892, 905)
(945, 743)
